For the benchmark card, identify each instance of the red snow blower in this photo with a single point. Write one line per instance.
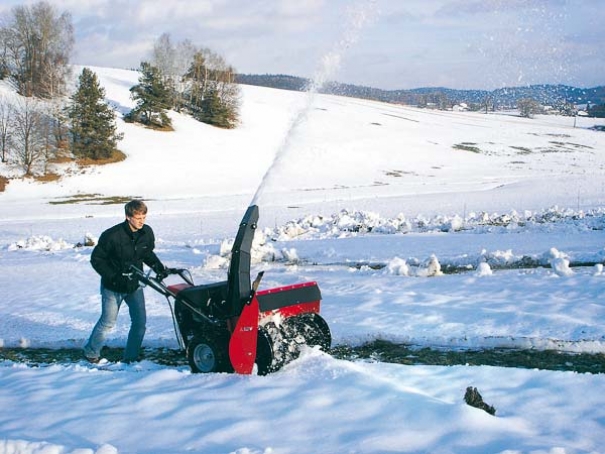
(231, 325)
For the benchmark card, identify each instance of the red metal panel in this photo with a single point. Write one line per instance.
(286, 288)
(176, 288)
(242, 345)
(294, 309)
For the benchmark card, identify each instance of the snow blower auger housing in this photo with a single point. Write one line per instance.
(230, 326)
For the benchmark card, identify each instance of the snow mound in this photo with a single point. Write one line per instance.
(398, 266)
(559, 262)
(484, 269)
(349, 223)
(40, 243)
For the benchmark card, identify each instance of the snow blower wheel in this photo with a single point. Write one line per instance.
(206, 354)
(265, 363)
(274, 349)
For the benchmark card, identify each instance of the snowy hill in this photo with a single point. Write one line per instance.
(347, 150)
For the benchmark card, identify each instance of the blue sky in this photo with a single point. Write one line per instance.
(387, 44)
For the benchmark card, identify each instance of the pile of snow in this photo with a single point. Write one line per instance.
(484, 269)
(430, 268)
(358, 224)
(40, 243)
(559, 262)
(350, 222)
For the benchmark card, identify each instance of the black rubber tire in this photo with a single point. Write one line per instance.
(208, 354)
(272, 351)
(277, 346)
(264, 353)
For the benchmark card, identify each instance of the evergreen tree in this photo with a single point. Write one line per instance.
(597, 111)
(152, 98)
(93, 126)
(214, 110)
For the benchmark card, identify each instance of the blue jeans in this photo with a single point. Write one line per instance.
(110, 306)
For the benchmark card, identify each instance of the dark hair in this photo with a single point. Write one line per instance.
(135, 207)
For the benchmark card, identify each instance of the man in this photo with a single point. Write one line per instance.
(129, 243)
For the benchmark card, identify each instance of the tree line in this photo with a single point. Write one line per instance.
(47, 121)
(559, 97)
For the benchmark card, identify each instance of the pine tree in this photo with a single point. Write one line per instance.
(152, 98)
(93, 127)
(597, 111)
(214, 111)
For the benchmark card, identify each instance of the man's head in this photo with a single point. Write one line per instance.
(136, 212)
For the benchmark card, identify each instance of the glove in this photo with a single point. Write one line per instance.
(161, 274)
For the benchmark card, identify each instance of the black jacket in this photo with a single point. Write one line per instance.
(117, 249)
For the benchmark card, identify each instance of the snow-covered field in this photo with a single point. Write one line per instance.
(370, 200)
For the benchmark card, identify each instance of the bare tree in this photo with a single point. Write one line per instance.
(163, 57)
(5, 130)
(173, 61)
(197, 76)
(4, 52)
(46, 135)
(183, 56)
(37, 44)
(29, 146)
(60, 124)
(488, 103)
(528, 107)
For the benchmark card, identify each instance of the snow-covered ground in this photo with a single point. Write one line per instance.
(370, 200)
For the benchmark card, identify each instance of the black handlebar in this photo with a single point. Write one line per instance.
(156, 283)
